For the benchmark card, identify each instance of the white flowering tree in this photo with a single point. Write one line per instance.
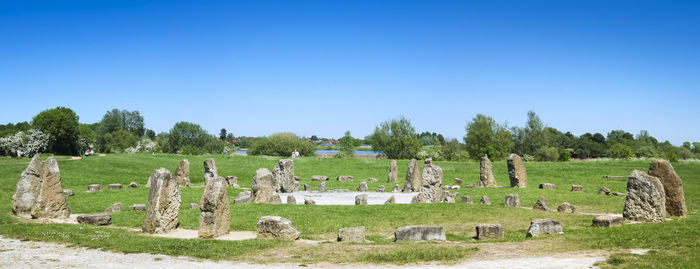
(21, 144)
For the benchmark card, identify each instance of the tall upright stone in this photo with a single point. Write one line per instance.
(516, 171)
(38, 193)
(210, 170)
(263, 188)
(413, 177)
(431, 183)
(486, 178)
(646, 200)
(673, 187)
(393, 172)
(283, 176)
(163, 203)
(215, 219)
(182, 173)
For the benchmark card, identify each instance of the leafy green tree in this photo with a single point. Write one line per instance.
(620, 151)
(61, 124)
(452, 151)
(281, 144)
(620, 136)
(151, 134)
(485, 136)
(346, 146)
(119, 140)
(222, 134)
(114, 120)
(230, 137)
(547, 153)
(396, 138)
(86, 137)
(187, 134)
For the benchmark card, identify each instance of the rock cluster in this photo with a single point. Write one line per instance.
(38, 193)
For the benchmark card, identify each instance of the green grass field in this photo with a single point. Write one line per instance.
(673, 244)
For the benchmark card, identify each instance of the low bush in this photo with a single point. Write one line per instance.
(281, 144)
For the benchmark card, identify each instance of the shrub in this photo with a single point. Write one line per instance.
(281, 144)
(646, 151)
(28, 144)
(565, 155)
(547, 154)
(620, 151)
(396, 138)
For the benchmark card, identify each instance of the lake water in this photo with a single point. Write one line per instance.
(330, 151)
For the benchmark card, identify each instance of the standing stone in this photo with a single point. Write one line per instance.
(95, 219)
(489, 231)
(309, 201)
(459, 181)
(486, 178)
(307, 187)
(215, 218)
(540, 227)
(68, 192)
(393, 172)
(362, 187)
(413, 177)
(420, 233)
(541, 204)
(233, 182)
(94, 187)
(431, 182)
(485, 200)
(355, 234)
(319, 178)
(566, 208)
(381, 188)
(361, 199)
(163, 203)
(115, 186)
(291, 200)
(607, 221)
(604, 190)
(38, 193)
(390, 201)
(467, 200)
(646, 199)
(283, 176)
(516, 171)
(322, 187)
(277, 227)
(548, 186)
(114, 208)
(182, 173)
(512, 200)
(263, 187)
(138, 207)
(243, 197)
(133, 185)
(576, 188)
(673, 187)
(397, 188)
(345, 178)
(210, 171)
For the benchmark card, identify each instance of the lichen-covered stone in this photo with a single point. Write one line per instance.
(263, 187)
(38, 193)
(345, 178)
(354, 234)
(210, 171)
(646, 199)
(393, 172)
(485, 200)
(215, 218)
(604, 191)
(381, 188)
(486, 178)
(576, 188)
(242, 197)
(467, 200)
(673, 187)
(114, 208)
(516, 171)
(361, 199)
(291, 200)
(566, 208)
(431, 182)
(138, 207)
(540, 227)
(232, 181)
(322, 187)
(277, 227)
(390, 201)
(163, 203)
(95, 187)
(362, 186)
(548, 186)
(607, 221)
(420, 233)
(489, 231)
(512, 200)
(319, 178)
(95, 219)
(541, 204)
(182, 173)
(413, 177)
(283, 176)
(309, 201)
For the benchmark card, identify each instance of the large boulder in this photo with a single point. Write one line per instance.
(673, 187)
(485, 200)
(95, 219)
(354, 234)
(277, 227)
(512, 200)
(541, 204)
(264, 188)
(283, 176)
(431, 182)
(393, 172)
(233, 182)
(516, 171)
(566, 208)
(413, 177)
(420, 233)
(242, 197)
(607, 221)
(182, 173)
(486, 178)
(163, 203)
(646, 200)
(291, 200)
(38, 193)
(210, 171)
(489, 231)
(540, 227)
(215, 218)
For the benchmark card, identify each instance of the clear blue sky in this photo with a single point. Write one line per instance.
(323, 67)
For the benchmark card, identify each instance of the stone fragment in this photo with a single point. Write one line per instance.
(362, 187)
(673, 187)
(94, 187)
(115, 186)
(646, 198)
(95, 219)
(381, 188)
(133, 185)
(541, 227)
(319, 178)
(619, 194)
(38, 193)
(163, 203)
(455, 187)
(68, 192)
(604, 190)
(607, 221)
(448, 197)
(296, 178)
(486, 178)
(431, 182)
(233, 182)
(345, 178)
(242, 197)
(390, 201)
(566, 208)
(283, 176)
(576, 188)
(512, 200)
(393, 172)
(420, 233)
(210, 171)
(417, 199)
(263, 187)
(489, 231)
(467, 200)
(459, 181)
(541, 204)
(114, 208)
(413, 177)
(322, 187)
(354, 234)
(516, 171)
(291, 200)
(548, 186)
(371, 179)
(215, 216)
(309, 201)
(277, 227)
(138, 207)
(485, 200)
(194, 206)
(182, 173)
(397, 188)
(361, 199)
(307, 187)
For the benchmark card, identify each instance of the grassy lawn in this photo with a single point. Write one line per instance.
(673, 243)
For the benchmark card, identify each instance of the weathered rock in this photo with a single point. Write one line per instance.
(393, 172)
(619, 194)
(361, 199)
(94, 187)
(455, 187)
(133, 185)
(459, 181)
(362, 187)
(646, 199)
(283, 176)
(242, 197)
(182, 173)
(448, 197)
(68, 192)
(541, 204)
(38, 193)
(607, 221)
(673, 187)
(390, 201)
(307, 187)
(486, 178)
(215, 218)
(95, 219)
(548, 186)
(431, 182)
(467, 200)
(420, 233)
(115, 186)
(319, 178)
(345, 178)
(263, 187)
(604, 190)
(210, 171)
(354, 234)
(163, 203)
(309, 201)
(413, 177)
(138, 207)
(371, 179)
(381, 188)
(114, 208)
(291, 200)
(577, 188)
(417, 199)
(233, 182)
(566, 208)
(489, 231)
(516, 171)
(297, 178)
(540, 227)
(485, 200)
(194, 206)
(397, 188)
(322, 187)
(512, 200)
(277, 227)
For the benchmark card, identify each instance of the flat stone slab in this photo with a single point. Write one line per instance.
(114, 186)
(94, 187)
(348, 197)
(489, 231)
(354, 234)
(420, 233)
(95, 219)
